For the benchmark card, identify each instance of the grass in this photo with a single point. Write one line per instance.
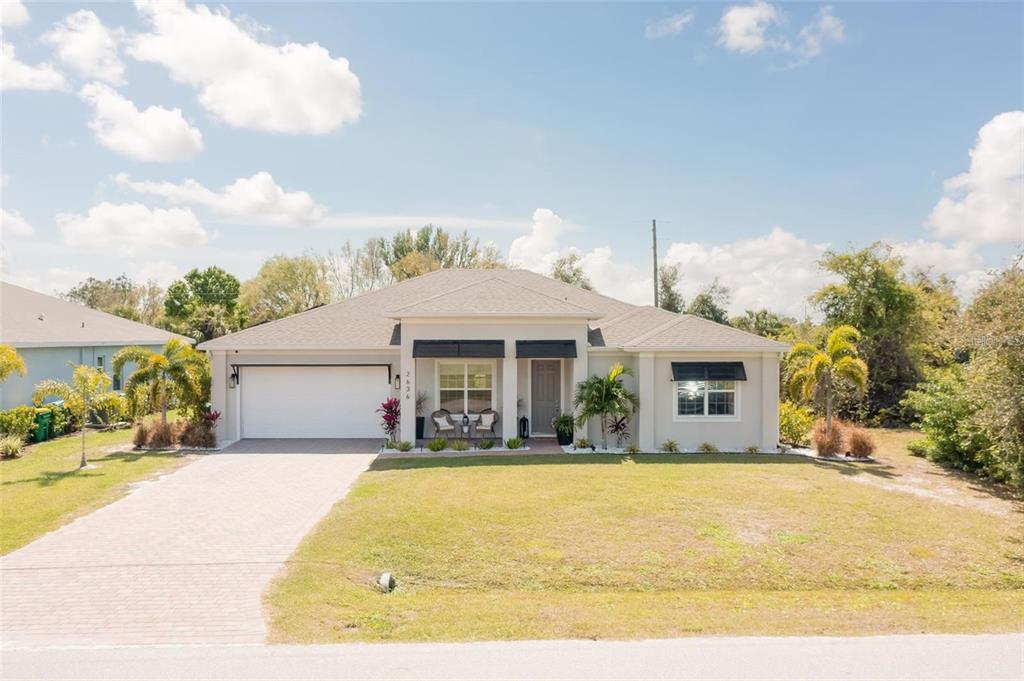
(647, 546)
(44, 488)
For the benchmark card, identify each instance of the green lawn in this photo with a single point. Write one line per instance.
(647, 546)
(44, 488)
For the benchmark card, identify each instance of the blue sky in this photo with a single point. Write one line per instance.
(758, 135)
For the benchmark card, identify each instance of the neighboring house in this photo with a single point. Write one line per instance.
(49, 333)
(511, 340)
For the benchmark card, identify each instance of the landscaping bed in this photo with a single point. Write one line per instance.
(613, 546)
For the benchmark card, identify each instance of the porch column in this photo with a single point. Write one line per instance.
(769, 401)
(645, 390)
(219, 393)
(509, 393)
(407, 393)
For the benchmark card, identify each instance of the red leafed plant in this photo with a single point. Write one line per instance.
(212, 417)
(390, 414)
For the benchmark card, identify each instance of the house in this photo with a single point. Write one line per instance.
(50, 334)
(510, 340)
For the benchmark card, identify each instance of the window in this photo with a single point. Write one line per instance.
(465, 386)
(706, 398)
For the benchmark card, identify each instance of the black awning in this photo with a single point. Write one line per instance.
(458, 348)
(708, 371)
(546, 348)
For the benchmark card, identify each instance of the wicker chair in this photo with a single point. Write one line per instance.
(488, 423)
(443, 424)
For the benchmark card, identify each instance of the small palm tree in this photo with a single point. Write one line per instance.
(87, 384)
(178, 369)
(10, 362)
(604, 397)
(816, 374)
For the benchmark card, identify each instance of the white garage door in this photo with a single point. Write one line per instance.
(314, 401)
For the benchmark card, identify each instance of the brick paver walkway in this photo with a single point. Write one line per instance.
(183, 559)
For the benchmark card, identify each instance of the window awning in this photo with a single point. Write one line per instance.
(708, 371)
(546, 348)
(458, 348)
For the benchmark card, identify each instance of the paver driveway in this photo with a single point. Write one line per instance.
(183, 559)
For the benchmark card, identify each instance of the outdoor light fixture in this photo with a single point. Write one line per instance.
(233, 378)
(398, 382)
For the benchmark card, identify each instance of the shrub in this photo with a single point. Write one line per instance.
(438, 444)
(11, 446)
(485, 444)
(391, 414)
(110, 408)
(707, 448)
(460, 445)
(563, 424)
(828, 444)
(197, 433)
(619, 427)
(514, 443)
(795, 423)
(631, 448)
(860, 443)
(919, 447)
(582, 443)
(18, 422)
(752, 449)
(60, 418)
(160, 436)
(669, 447)
(141, 436)
(403, 446)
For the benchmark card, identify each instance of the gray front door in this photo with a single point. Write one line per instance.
(545, 394)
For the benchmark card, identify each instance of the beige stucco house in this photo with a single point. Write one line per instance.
(509, 340)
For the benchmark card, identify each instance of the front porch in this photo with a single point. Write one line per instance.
(517, 378)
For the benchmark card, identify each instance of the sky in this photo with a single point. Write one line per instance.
(154, 137)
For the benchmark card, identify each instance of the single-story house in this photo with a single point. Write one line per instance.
(510, 340)
(49, 333)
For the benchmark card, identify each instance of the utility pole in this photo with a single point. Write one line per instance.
(654, 248)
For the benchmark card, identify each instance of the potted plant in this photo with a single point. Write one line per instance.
(421, 405)
(563, 425)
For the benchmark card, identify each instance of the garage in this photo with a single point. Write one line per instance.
(312, 401)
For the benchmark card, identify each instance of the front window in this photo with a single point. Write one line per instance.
(465, 387)
(705, 398)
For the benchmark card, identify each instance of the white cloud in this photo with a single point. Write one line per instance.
(777, 271)
(935, 256)
(12, 225)
(254, 199)
(85, 45)
(294, 88)
(824, 29)
(13, 13)
(539, 249)
(153, 134)
(742, 28)
(160, 271)
(131, 228)
(17, 75)
(986, 203)
(669, 26)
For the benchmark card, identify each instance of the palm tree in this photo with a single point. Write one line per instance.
(87, 384)
(10, 362)
(816, 374)
(604, 397)
(178, 369)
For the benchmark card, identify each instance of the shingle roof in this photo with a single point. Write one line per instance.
(493, 297)
(32, 319)
(368, 321)
(689, 331)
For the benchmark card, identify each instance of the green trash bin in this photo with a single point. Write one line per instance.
(43, 418)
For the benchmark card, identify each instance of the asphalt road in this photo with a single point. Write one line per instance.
(875, 657)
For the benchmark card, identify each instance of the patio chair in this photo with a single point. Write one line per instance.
(443, 423)
(488, 423)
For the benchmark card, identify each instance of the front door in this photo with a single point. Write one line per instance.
(545, 394)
